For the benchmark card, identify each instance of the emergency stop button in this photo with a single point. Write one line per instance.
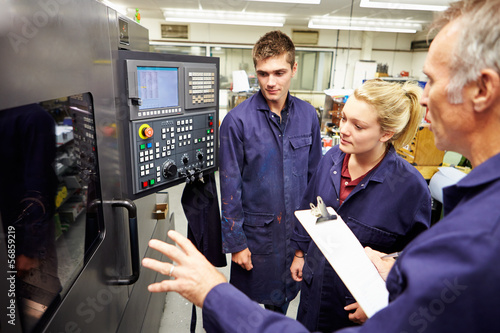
(145, 131)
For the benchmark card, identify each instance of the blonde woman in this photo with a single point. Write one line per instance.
(381, 197)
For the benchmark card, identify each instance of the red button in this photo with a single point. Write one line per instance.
(148, 132)
(211, 130)
(144, 184)
(211, 123)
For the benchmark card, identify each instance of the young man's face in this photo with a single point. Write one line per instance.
(274, 75)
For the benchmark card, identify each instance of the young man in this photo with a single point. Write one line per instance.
(446, 280)
(269, 147)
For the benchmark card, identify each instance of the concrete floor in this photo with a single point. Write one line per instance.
(177, 315)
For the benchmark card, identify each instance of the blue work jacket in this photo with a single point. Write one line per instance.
(387, 209)
(446, 280)
(263, 173)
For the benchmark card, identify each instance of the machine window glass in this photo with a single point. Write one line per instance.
(50, 206)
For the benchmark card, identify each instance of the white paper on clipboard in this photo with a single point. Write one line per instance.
(348, 258)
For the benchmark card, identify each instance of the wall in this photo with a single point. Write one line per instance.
(388, 48)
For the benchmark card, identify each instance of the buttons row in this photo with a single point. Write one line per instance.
(205, 139)
(146, 153)
(185, 136)
(203, 99)
(147, 183)
(184, 122)
(202, 84)
(195, 75)
(159, 112)
(164, 136)
(184, 128)
(203, 90)
(146, 169)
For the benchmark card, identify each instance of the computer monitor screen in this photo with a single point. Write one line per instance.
(158, 87)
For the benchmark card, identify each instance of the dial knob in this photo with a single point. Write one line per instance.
(185, 159)
(169, 169)
(199, 155)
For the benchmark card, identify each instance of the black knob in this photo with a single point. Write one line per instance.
(169, 169)
(185, 159)
(199, 155)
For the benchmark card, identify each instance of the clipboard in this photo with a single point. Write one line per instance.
(348, 258)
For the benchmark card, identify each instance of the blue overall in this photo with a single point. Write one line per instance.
(264, 171)
(386, 210)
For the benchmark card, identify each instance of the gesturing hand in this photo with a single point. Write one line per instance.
(193, 276)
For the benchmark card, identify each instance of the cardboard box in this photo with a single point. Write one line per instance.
(161, 211)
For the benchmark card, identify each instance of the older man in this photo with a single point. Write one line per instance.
(446, 280)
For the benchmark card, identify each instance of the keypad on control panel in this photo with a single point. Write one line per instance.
(201, 87)
(188, 142)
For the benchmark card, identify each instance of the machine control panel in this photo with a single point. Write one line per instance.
(171, 109)
(173, 148)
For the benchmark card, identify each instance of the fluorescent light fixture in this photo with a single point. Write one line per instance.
(364, 24)
(224, 17)
(305, 2)
(402, 4)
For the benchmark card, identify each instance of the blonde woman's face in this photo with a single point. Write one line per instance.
(360, 131)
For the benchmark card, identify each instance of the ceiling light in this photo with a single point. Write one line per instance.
(401, 4)
(224, 17)
(306, 2)
(364, 24)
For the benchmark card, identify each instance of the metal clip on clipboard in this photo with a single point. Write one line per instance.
(321, 212)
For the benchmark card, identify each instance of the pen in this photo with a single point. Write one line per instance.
(394, 255)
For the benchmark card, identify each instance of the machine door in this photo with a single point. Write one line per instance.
(53, 221)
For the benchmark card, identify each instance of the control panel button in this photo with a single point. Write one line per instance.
(145, 131)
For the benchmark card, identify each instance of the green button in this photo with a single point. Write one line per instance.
(142, 147)
(152, 182)
(208, 131)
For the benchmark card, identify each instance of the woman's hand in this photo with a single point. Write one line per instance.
(358, 316)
